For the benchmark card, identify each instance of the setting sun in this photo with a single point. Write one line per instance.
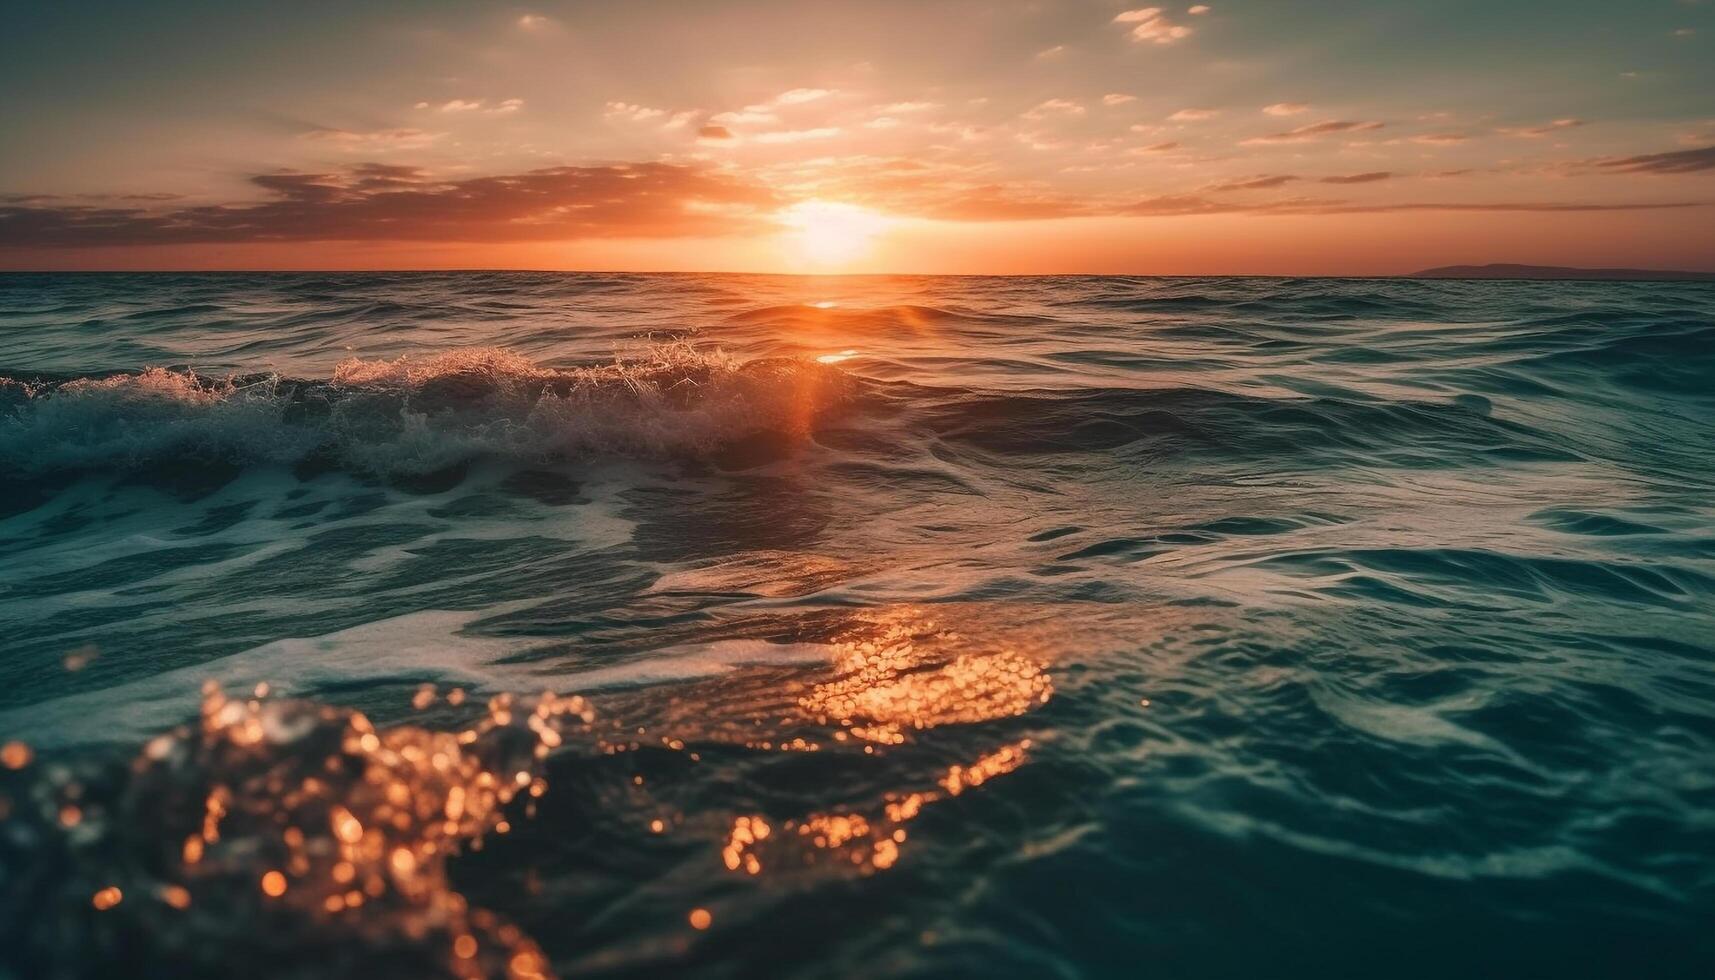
(827, 233)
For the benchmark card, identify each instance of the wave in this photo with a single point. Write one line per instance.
(421, 415)
(1236, 426)
(901, 319)
(413, 415)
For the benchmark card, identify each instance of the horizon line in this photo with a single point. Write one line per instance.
(1595, 274)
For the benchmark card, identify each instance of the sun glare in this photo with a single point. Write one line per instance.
(827, 233)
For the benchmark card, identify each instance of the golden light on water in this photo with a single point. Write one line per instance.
(309, 812)
(317, 815)
(15, 755)
(896, 676)
(912, 676)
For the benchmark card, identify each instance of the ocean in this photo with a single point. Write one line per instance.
(524, 624)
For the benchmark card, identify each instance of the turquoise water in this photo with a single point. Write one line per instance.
(1050, 626)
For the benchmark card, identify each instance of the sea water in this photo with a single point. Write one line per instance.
(625, 625)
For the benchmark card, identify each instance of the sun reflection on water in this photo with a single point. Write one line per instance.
(895, 678)
(899, 679)
(291, 830)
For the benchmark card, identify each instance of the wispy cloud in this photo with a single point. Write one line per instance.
(633, 112)
(1699, 160)
(1054, 107)
(1194, 115)
(379, 202)
(1286, 108)
(1364, 178)
(372, 140)
(1315, 131)
(454, 106)
(1537, 132)
(1117, 98)
(797, 135)
(1150, 24)
(1174, 205)
(799, 96)
(1441, 139)
(1253, 183)
(1270, 181)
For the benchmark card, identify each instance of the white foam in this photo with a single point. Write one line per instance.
(417, 415)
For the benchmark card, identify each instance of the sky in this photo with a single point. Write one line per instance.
(1315, 137)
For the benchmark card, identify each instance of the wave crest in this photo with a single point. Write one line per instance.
(414, 414)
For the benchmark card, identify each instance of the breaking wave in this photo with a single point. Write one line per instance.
(413, 414)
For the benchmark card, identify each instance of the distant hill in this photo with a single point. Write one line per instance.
(1504, 271)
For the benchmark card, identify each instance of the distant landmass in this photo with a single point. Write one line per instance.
(1505, 271)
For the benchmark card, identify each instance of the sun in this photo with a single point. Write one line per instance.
(829, 233)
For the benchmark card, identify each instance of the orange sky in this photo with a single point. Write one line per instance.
(944, 136)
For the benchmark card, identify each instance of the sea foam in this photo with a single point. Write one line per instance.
(414, 414)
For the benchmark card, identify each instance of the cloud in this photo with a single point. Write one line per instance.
(1253, 183)
(1051, 54)
(1117, 98)
(796, 135)
(748, 116)
(533, 22)
(712, 132)
(154, 197)
(372, 140)
(1537, 132)
(1157, 148)
(1441, 139)
(898, 108)
(1285, 108)
(1365, 178)
(380, 202)
(799, 96)
(633, 112)
(1173, 205)
(1315, 131)
(1194, 115)
(505, 107)
(1699, 160)
(1270, 181)
(1055, 107)
(1149, 24)
(1198, 10)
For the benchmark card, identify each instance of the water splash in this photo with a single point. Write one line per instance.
(274, 831)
